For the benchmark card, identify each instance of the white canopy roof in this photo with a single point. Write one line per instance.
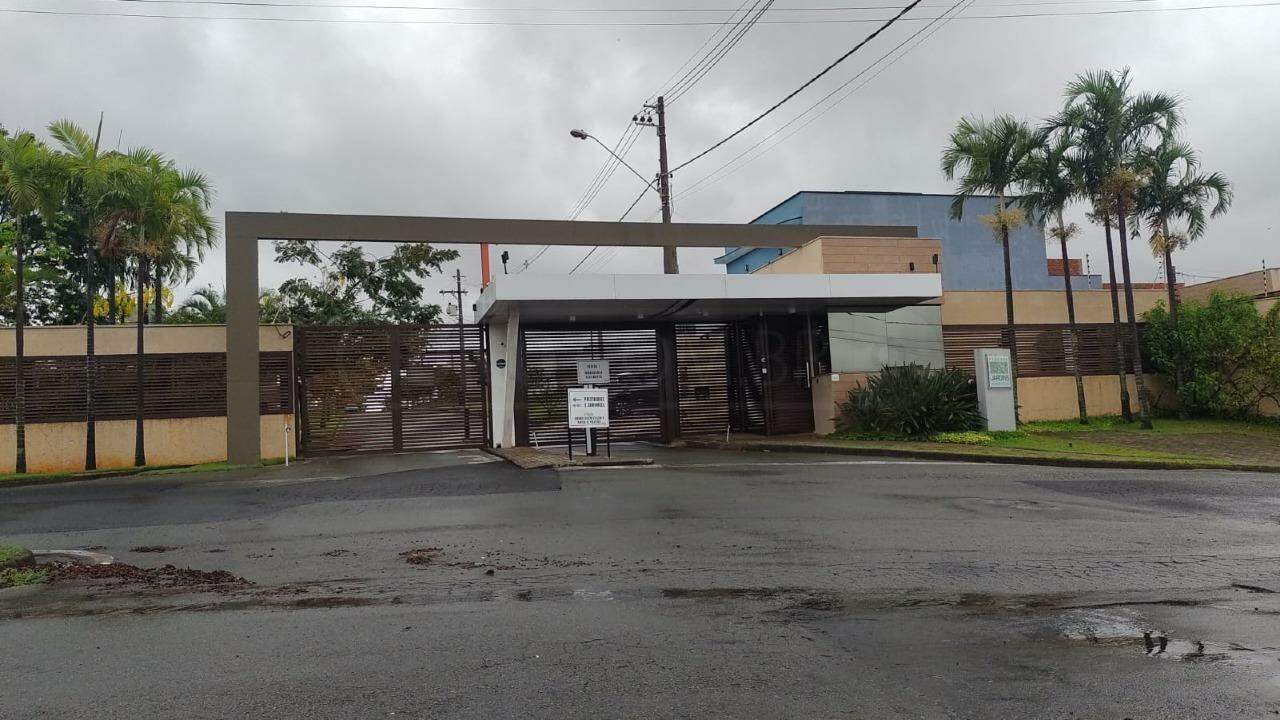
(692, 298)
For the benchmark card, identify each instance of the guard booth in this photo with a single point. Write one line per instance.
(688, 354)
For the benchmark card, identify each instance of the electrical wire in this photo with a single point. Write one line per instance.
(802, 87)
(927, 31)
(614, 25)
(612, 10)
(718, 53)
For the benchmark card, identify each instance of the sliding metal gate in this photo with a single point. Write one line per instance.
(393, 388)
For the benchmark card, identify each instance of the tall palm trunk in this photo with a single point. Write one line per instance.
(1135, 346)
(1010, 328)
(113, 308)
(19, 318)
(90, 361)
(139, 439)
(1125, 409)
(157, 286)
(1170, 278)
(1071, 321)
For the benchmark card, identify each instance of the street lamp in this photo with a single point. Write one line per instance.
(584, 135)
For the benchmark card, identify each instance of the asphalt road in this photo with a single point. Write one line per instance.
(709, 585)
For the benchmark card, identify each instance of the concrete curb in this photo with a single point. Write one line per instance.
(975, 458)
(541, 460)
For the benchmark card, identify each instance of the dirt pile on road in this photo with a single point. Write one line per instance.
(168, 577)
(422, 556)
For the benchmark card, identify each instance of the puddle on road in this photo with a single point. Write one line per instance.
(1126, 627)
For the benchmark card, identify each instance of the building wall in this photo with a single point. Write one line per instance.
(60, 447)
(865, 341)
(971, 258)
(853, 255)
(1256, 283)
(1037, 307)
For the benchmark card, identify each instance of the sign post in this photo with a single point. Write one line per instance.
(590, 374)
(994, 377)
(588, 409)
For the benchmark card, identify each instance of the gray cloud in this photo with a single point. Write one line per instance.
(446, 120)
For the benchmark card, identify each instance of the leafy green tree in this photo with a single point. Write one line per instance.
(1114, 126)
(30, 185)
(1229, 352)
(1174, 190)
(990, 158)
(353, 288)
(205, 306)
(1052, 181)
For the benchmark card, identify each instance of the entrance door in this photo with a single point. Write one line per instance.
(788, 379)
(392, 388)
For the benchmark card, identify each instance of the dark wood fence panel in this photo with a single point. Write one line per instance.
(178, 385)
(1043, 350)
(392, 388)
(702, 373)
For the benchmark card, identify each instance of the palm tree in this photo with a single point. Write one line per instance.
(96, 184)
(1114, 127)
(205, 306)
(990, 158)
(30, 184)
(1052, 181)
(170, 209)
(1176, 191)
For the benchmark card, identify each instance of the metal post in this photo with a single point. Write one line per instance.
(397, 418)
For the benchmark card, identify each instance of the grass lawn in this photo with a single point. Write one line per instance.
(1171, 443)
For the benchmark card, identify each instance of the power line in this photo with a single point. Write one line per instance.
(512, 9)
(691, 58)
(717, 53)
(800, 89)
(618, 25)
(710, 178)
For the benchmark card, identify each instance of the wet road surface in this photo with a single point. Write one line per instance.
(708, 585)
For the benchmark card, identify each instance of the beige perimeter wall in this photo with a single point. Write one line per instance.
(59, 447)
(1048, 398)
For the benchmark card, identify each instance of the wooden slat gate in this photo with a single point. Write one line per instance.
(392, 388)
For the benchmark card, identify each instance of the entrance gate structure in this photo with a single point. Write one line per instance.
(682, 299)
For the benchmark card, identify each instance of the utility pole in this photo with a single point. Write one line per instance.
(670, 261)
(462, 355)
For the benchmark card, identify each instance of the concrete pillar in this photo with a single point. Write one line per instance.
(244, 441)
(994, 377)
(504, 359)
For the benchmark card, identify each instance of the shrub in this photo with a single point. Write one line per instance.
(13, 555)
(964, 437)
(912, 401)
(13, 577)
(1230, 354)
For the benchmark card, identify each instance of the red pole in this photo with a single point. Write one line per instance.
(484, 265)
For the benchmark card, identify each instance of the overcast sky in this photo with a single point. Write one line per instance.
(473, 120)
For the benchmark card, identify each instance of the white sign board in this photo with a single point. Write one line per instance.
(999, 371)
(593, 372)
(588, 407)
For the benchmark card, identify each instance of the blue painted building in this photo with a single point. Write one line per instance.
(971, 257)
